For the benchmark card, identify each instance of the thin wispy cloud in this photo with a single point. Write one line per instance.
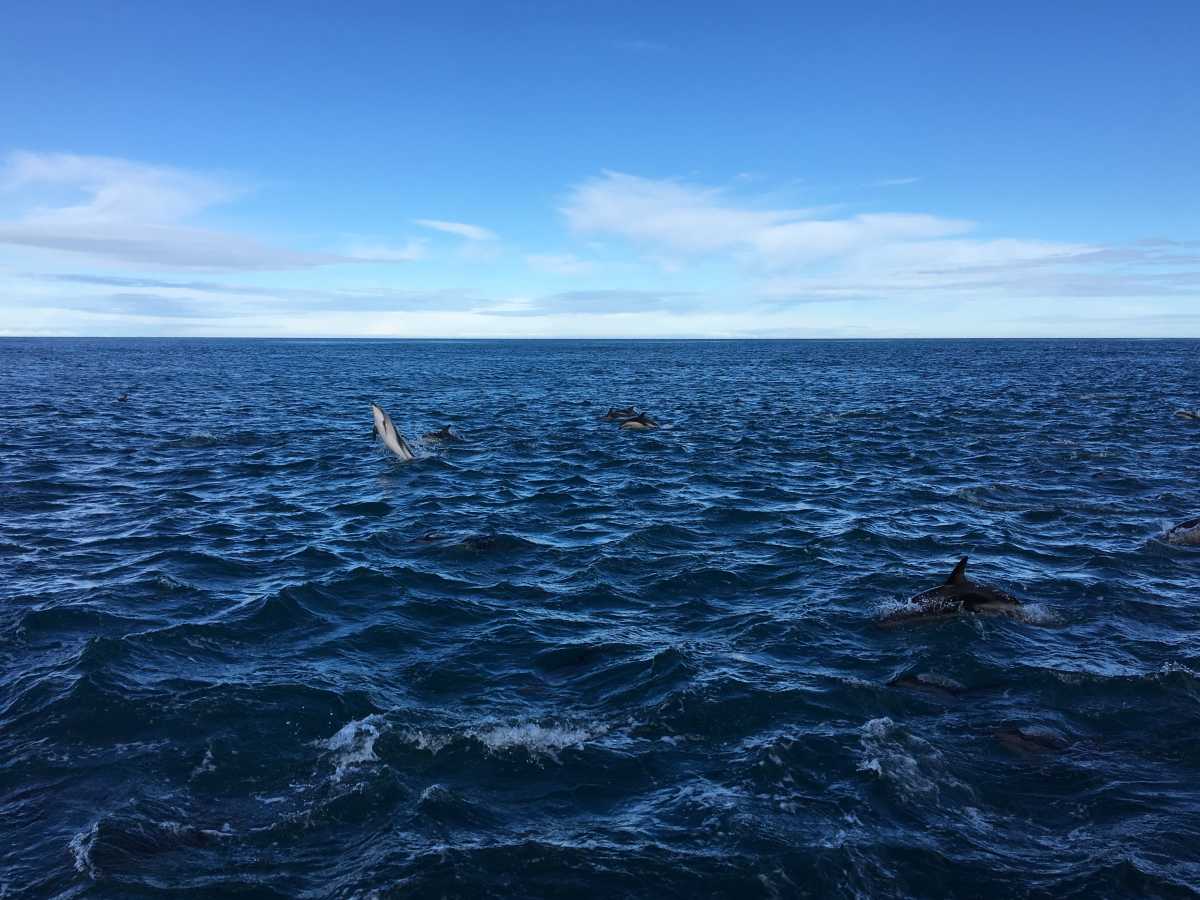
(895, 182)
(559, 264)
(604, 303)
(130, 212)
(461, 229)
(113, 190)
(409, 251)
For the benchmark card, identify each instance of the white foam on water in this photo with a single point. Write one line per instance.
(354, 744)
(912, 764)
(1035, 614)
(1173, 666)
(424, 740)
(536, 740)
(208, 764)
(81, 850)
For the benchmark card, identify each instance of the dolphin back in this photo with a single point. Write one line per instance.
(392, 439)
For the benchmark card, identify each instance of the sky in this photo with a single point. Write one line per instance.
(571, 169)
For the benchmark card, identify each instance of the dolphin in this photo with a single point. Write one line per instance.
(392, 439)
(123, 398)
(1188, 413)
(1030, 740)
(442, 434)
(928, 682)
(625, 412)
(1185, 534)
(958, 594)
(640, 422)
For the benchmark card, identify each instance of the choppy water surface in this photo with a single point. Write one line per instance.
(246, 654)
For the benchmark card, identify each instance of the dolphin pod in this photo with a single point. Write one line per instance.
(392, 439)
(958, 595)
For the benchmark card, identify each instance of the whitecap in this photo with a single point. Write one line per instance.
(536, 740)
(81, 850)
(424, 740)
(354, 744)
(913, 765)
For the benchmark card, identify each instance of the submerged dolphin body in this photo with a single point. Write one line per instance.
(1031, 740)
(1186, 534)
(442, 434)
(929, 683)
(1188, 413)
(958, 594)
(392, 439)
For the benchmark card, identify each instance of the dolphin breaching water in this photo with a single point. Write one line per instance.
(625, 412)
(1185, 534)
(1188, 413)
(640, 422)
(392, 439)
(958, 594)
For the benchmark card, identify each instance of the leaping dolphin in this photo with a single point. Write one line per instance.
(392, 439)
(957, 595)
(1186, 534)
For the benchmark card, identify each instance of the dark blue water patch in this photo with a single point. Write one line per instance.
(248, 654)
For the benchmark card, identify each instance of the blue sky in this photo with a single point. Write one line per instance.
(617, 169)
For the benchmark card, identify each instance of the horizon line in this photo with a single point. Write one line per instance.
(247, 337)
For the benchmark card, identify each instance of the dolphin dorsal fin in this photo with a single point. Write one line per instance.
(959, 575)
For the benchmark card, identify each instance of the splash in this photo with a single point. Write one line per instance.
(354, 744)
(913, 765)
(536, 740)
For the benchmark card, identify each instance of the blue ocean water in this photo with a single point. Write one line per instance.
(247, 654)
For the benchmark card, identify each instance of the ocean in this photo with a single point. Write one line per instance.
(246, 653)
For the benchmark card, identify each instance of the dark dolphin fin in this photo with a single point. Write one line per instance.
(959, 575)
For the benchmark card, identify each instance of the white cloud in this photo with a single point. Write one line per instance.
(123, 211)
(462, 229)
(165, 246)
(369, 251)
(114, 190)
(559, 263)
(672, 215)
(673, 221)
